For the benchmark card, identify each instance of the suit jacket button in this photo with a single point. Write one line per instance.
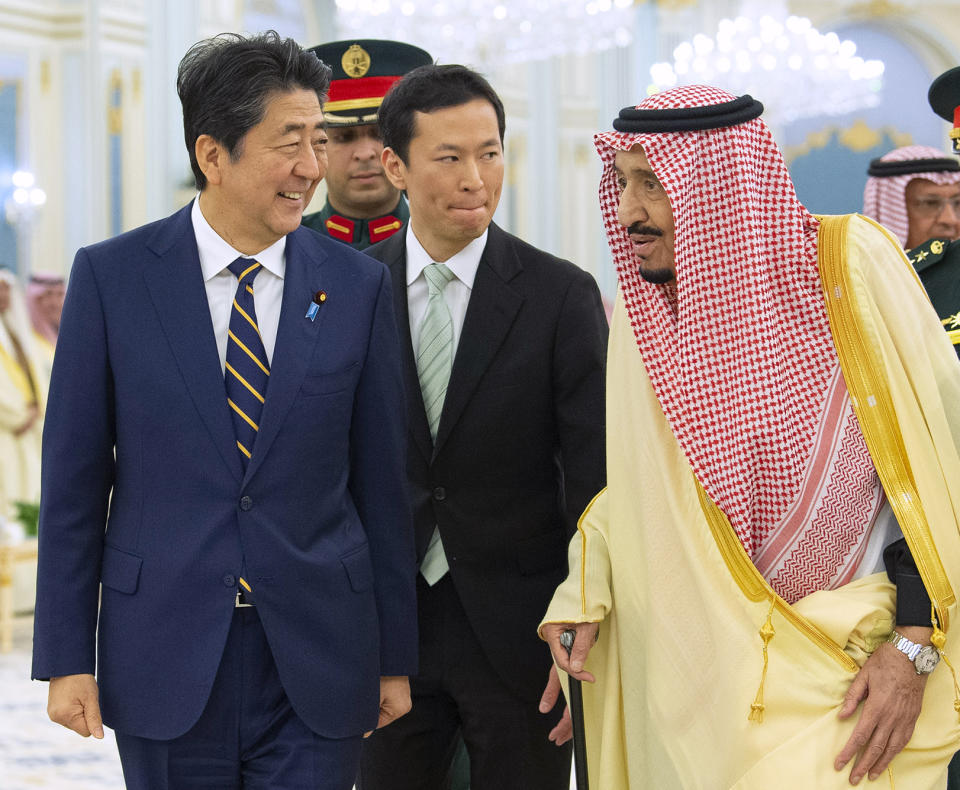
(439, 493)
(246, 503)
(229, 580)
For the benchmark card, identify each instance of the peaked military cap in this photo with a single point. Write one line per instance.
(944, 98)
(363, 71)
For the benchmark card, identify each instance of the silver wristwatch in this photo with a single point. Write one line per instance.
(924, 657)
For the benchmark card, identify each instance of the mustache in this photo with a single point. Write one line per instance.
(637, 229)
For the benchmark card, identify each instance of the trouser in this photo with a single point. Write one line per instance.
(248, 735)
(458, 692)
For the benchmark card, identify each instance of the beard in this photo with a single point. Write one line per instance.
(657, 276)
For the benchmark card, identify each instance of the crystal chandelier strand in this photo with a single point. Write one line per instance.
(488, 32)
(797, 71)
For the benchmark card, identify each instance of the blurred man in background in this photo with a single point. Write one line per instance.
(914, 192)
(362, 206)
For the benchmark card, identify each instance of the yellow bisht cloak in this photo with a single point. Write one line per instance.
(686, 697)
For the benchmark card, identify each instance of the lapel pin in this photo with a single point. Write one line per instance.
(318, 299)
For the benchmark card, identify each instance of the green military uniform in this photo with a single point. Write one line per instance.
(358, 233)
(937, 262)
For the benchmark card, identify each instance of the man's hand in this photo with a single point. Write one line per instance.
(394, 700)
(586, 636)
(74, 702)
(563, 732)
(892, 693)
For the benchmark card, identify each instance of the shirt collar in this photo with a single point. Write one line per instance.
(464, 264)
(216, 254)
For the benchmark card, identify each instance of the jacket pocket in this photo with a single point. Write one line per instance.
(329, 383)
(120, 571)
(359, 570)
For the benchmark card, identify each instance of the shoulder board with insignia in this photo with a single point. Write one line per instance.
(931, 252)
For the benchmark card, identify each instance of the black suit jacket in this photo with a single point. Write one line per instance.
(520, 444)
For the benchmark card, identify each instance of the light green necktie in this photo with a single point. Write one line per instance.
(434, 362)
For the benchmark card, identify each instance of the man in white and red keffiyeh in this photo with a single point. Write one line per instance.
(782, 427)
(914, 192)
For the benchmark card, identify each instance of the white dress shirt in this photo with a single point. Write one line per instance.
(221, 285)
(457, 296)
(457, 293)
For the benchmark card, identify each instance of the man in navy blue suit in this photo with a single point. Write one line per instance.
(224, 464)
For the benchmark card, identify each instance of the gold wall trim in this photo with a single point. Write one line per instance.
(854, 138)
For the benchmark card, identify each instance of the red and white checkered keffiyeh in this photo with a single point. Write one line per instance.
(742, 361)
(884, 199)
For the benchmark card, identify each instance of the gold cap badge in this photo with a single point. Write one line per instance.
(355, 61)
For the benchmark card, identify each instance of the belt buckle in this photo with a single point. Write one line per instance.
(239, 602)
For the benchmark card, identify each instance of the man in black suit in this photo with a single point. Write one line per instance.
(504, 349)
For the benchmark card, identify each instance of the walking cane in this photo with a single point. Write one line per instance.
(576, 715)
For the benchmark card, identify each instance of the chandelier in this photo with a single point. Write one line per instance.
(784, 61)
(491, 32)
(24, 200)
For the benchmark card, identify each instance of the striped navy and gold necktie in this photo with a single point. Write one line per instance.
(247, 369)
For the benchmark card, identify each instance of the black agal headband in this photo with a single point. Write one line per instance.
(688, 119)
(881, 169)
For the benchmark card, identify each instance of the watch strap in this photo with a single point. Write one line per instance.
(924, 657)
(907, 647)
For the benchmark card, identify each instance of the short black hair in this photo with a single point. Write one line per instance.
(225, 82)
(429, 88)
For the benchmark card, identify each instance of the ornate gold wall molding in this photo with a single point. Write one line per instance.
(857, 138)
(878, 8)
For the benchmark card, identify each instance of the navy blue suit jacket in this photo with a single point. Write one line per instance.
(145, 501)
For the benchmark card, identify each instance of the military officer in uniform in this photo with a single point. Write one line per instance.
(914, 192)
(362, 206)
(937, 261)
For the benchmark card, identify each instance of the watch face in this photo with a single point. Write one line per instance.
(926, 660)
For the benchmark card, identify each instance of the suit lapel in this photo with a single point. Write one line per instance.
(176, 287)
(396, 260)
(296, 337)
(493, 307)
